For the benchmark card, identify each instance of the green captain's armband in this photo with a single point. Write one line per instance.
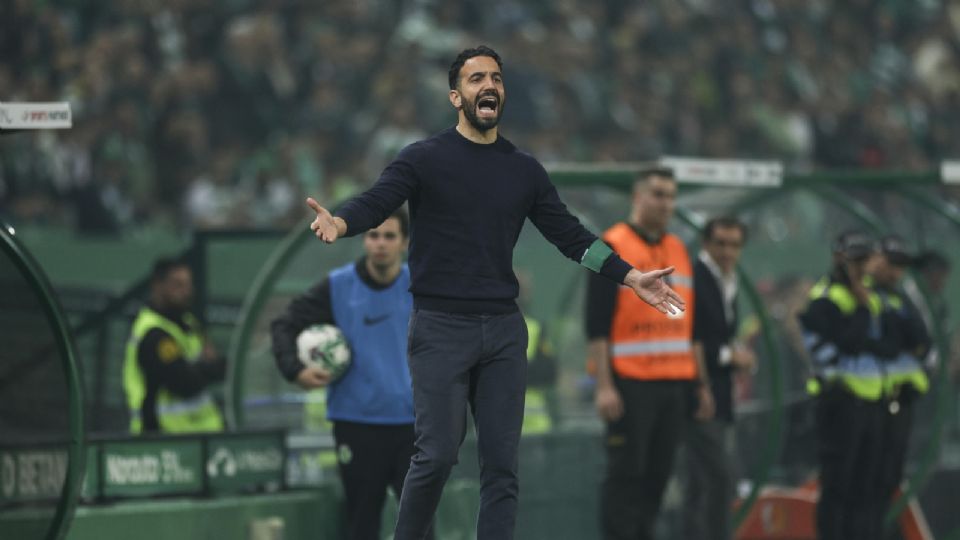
(595, 255)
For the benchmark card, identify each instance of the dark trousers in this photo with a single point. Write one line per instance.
(896, 444)
(640, 451)
(709, 490)
(454, 360)
(371, 458)
(849, 435)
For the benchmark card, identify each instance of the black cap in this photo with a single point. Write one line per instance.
(931, 260)
(895, 250)
(854, 245)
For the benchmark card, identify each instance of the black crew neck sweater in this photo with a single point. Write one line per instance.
(468, 203)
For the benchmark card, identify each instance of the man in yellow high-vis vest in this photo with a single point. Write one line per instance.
(169, 365)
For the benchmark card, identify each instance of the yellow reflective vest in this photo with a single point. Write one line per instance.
(174, 414)
(861, 374)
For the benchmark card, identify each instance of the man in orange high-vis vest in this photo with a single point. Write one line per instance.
(645, 364)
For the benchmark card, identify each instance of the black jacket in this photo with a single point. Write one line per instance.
(712, 329)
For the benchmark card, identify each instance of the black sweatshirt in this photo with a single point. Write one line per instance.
(468, 203)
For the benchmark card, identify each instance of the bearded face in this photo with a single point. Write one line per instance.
(484, 110)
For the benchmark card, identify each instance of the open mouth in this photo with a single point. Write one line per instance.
(487, 105)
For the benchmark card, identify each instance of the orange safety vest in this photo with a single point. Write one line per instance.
(644, 343)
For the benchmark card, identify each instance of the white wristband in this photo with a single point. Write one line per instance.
(726, 355)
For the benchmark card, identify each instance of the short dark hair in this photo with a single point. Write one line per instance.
(643, 177)
(646, 174)
(466, 54)
(401, 215)
(723, 222)
(164, 266)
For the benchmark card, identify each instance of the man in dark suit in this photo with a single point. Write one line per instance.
(710, 441)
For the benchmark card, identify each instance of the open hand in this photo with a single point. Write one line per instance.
(325, 226)
(652, 289)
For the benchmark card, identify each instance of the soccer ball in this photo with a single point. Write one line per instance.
(324, 346)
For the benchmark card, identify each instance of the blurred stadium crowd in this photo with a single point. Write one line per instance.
(209, 114)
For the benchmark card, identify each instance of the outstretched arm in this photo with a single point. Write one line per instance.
(551, 217)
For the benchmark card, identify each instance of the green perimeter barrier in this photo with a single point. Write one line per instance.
(190, 485)
(204, 464)
(291, 515)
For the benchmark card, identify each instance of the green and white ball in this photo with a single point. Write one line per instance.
(324, 346)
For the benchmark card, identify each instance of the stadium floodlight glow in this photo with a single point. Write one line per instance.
(725, 172)
(950, 172)
(39, 115)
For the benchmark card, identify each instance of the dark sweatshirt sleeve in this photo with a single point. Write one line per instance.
(312, 307)
(551, 217)
(164, 365)
(397, 183)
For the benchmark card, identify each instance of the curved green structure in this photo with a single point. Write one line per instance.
(32, 275)
(253, 303)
